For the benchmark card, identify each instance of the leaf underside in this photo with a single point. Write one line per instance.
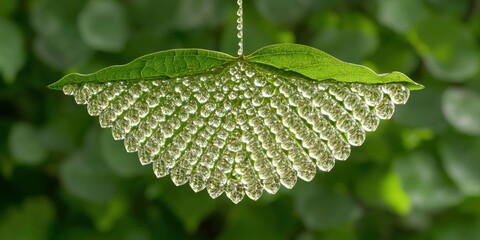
(237, 126)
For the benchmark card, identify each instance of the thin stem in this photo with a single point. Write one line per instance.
(240, 27)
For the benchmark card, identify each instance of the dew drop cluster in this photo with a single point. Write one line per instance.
(241, 131)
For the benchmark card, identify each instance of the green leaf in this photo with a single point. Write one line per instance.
(460, 108)
(156, 66)
(12, 57)
(317, 65)
(103, 25)
(460, 157)
(30, 221)
(197, 115)
(25, 145)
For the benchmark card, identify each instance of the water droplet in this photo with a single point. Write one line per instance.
(385, 109)
(373, 95)
(131, 143)
(235, 190)
(254, 190)
(356, 136)
(370, 122)
(215, 187)
(326, 163)
(160, 169)
(69, 89)
(345, 123)
(289, 179)
(272, 184)
(340, 149)
(306, 170)
(179, 175)
(398, 93)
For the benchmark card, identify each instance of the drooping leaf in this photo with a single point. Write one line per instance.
(239, 125)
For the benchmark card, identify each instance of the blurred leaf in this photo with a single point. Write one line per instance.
(122, 163)
(13, 56)
(190, 208)
(103, 25)
(65, 52)
(395, 55)
(418, 220)
(151, 14)
(350, 37)
(424, 183)
(252, 221)
(283, 11)
(105, 216)
(25, 146)
(383, 189)
(194, 14)
(31, 221)
(320, 208)
(458, 9)
(428, 101)
(461, 159)
(461, 109)
(394, 195)
(454, 230)
(59, 42)
(413, 138)
(87, 179)
(451, 57)
(470, 206)
(7, 7)
(344, 232)
(51, 17)
(401, 16)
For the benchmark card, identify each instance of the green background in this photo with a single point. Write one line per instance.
(63, 177)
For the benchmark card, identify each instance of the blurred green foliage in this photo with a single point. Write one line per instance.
(417, 177)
